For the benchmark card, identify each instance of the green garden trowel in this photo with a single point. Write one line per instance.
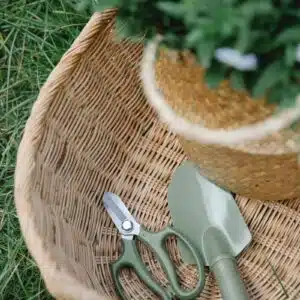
(211, 219)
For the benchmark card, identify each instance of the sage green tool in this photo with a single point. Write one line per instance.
(211, 219)
(130, 257)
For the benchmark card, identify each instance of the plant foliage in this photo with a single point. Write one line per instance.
(269, 29)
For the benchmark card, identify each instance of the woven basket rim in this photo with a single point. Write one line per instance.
(58, 281)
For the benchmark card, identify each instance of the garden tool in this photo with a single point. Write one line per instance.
(211, 219)
(131, 230)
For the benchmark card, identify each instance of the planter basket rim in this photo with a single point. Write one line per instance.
(197, 132)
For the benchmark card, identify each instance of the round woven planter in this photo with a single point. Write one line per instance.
(237, 141)
(91, 130)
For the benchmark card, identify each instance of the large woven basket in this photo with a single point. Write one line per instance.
(91, 130)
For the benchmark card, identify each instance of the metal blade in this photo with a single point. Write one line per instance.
(120, 215)
(191, 196)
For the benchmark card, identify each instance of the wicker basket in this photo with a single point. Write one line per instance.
(91, 130)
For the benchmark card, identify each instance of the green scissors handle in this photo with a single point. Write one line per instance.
(156, 241)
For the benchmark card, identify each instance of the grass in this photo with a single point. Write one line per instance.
(33, 37)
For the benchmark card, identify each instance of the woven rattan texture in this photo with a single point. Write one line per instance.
(90, 131)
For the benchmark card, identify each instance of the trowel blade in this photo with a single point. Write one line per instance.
(197, 204)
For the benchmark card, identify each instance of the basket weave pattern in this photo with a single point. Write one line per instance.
(90, 131)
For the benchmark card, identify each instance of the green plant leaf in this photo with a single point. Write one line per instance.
(243, 37)
(230, 25)
(290, 54)
(192, 9)
(288, 35)
(214, 6)
(271, 75)
(205, 52)
(100, 5)
(289, 97)
(194, 37)
(293, 12)
(173, 41)
(259, 42)
(284, 95)
(286, 2)
(237, 80)
(171, 8)
(296, 75)
(249, 9)
(287, 101)
(203, 21)
(230, 2)
(125, 30)
(276, 94)
(213, 76)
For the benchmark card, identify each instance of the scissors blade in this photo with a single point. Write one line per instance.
(119, 214)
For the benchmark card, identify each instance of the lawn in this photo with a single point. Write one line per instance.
(33, 37)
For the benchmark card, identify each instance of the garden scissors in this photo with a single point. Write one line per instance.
(131, 230)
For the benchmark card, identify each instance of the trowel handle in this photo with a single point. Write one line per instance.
(229, 280)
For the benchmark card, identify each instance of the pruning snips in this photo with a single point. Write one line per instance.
(131, 230)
